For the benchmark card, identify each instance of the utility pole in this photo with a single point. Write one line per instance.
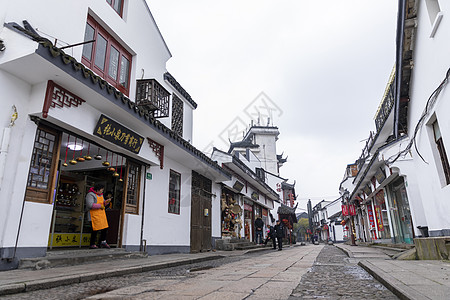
(309, 206)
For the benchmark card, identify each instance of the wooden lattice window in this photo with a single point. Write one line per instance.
(174, 192)
(152, 97)
(177, 115)
(133, 180)
(41, 175)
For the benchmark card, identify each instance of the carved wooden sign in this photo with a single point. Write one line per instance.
(117, 134)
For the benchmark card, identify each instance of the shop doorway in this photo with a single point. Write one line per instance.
(248, 220)
(200, 213)
(401, 215)
(81, 165)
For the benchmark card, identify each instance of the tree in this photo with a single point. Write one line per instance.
(300, 229)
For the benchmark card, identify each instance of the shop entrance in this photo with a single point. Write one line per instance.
(248, 219)
(82, 165)
(401, 215)
(200, 213)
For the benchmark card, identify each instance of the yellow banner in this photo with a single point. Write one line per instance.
(69, 239)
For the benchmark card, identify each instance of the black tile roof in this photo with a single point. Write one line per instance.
(77, 70)
(179, 88)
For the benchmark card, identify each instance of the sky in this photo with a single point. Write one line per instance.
(317, 69)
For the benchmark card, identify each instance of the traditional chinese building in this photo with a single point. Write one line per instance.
(400, 188)
(86, 98)
(256, 185)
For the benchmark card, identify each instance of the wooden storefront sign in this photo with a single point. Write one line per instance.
(117, 134)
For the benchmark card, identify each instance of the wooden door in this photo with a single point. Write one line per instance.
(200, 213)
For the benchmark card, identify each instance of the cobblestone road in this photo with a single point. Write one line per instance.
(266, 275)
(86, 289)
(334, 276)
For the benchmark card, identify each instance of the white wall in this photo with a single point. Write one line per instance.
(431, 62)
(17, 157)
(162, 227)
(268, 152)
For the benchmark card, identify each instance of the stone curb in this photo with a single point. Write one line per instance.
(40, 284)
(400, 289)
(347, 252)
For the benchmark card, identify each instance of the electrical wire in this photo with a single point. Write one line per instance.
(430, 103)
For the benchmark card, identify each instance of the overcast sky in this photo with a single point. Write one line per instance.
(319, 68)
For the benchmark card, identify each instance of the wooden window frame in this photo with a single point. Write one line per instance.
(442, 153)
(110, 42)
(177, 194)
(39, 195)
(113, 2)
(133, 208)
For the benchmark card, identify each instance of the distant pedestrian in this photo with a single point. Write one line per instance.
(315, 239)
(259, 225)
(279, 232)
(96, 215)
(270, 236)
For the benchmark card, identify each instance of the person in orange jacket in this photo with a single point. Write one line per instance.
(97, 216)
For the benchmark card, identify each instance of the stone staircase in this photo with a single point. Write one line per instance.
(230, 244)
(68, 257)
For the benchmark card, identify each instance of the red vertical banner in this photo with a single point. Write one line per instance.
(344, 210)
(378, 217)
(352, 210)
(371, 219)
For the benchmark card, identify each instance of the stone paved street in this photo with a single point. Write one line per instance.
(335, 276)
(93, 287)
(307, 272)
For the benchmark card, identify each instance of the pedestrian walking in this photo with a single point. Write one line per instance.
(270, 236)
(97, 216)
(259, 225)
(279, 233)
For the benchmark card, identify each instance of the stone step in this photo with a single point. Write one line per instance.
(247, 246)
(75, 257)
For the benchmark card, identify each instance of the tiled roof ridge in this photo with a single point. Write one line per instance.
(179, 88)
(103, 84)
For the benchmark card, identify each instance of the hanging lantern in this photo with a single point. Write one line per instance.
(111, 168)
(98, 156)
(121, 164)
(106, 162)
(67, 150)
(73, 161)
(88, 157)
(115, 174)
(81, 158)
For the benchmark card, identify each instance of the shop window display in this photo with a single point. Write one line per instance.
(80, 166)
(231, 216)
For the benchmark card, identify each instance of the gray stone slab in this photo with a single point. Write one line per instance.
(14, 288)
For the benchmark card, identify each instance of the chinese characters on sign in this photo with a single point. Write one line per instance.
(118, 134)
(352, 210)
(69, 239)
(344, 210)
(378, 217)
(370, 213)
(380, 175)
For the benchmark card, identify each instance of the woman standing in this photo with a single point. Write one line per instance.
(96, 215)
